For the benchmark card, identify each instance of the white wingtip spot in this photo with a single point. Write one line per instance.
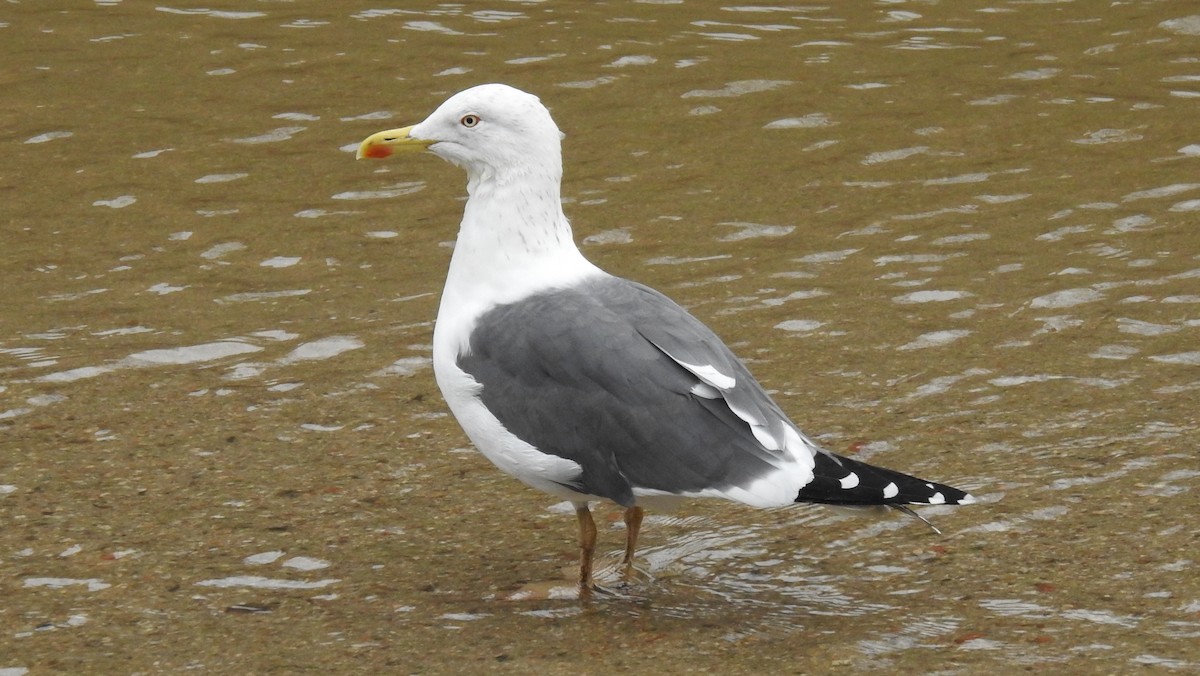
(850, 480)
(967, 499)
(891, 490)
(937, 499)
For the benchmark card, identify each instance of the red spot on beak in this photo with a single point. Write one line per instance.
(377, 151)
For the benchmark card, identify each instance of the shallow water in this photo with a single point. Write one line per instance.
(958, 239)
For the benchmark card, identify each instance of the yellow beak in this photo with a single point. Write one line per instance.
(384, 143)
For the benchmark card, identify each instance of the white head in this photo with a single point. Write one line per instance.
(493, 131)
(514, 239)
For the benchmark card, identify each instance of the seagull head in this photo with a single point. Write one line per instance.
(492, 131)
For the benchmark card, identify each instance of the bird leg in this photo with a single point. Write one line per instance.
(587, 547)
(633, 524)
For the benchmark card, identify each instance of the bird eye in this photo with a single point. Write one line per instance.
(469, 120)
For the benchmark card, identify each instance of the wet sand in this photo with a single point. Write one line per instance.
(958, 239)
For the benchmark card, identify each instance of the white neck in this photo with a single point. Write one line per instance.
(514, 241)
(516, 222)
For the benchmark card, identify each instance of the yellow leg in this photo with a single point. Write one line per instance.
(633, 524)
(587, 547)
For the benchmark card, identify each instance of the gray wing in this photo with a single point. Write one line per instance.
(619, 379)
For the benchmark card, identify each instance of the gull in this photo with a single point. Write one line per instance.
(588, 386)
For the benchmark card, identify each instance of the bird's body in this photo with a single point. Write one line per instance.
(588, 386)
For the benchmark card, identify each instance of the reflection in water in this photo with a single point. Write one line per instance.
(947, 234)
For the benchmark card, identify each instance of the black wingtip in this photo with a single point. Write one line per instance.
(843, 481)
